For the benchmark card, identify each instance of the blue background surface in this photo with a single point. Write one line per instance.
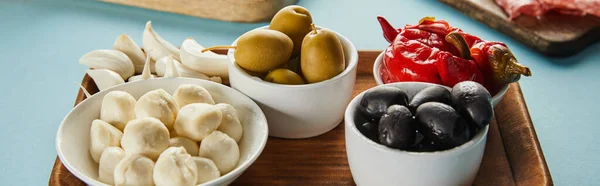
(41, 42)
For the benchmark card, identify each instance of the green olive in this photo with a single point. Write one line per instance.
(322, 56)
(294, 21)
(284, 76)
(263, 50)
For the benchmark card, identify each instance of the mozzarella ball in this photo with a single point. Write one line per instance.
(197, 120)
(207, 170)
(222, 149)
(190, 145)
(190, 93)
(134, 170)
(103, 135)
(157, 104)
(118, 108)
(175, 167)
(230, 123)
(108, 161)
(145, 136)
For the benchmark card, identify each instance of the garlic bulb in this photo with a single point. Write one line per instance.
(190, 145)
(197, 120)
(208, 62)
(207, 170)
(126, 45)
(157, 104)
(222, 149)
(175, 167)
(230, 124)
(171, 70)
(191, 93)
(134, 170)
(108, 161)
(105, 78)
(146, 74)
(118, 108)
(155, 46)
(113, 60)
(145, 136)
(103, 135)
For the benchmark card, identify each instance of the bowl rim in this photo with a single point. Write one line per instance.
(352, 63)
(379, 61)
(230, 175)
(351, 125)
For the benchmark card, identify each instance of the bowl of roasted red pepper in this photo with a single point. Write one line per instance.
(433, 51)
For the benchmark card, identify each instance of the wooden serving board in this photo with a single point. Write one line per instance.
(512, 156)
(553, 34)
(225, 10)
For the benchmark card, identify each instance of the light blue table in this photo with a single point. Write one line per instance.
(41, 42)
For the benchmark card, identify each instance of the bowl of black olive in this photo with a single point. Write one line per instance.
(414, 133)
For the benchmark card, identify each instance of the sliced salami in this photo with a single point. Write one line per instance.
(536, 8)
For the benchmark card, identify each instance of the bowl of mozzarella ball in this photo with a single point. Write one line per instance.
(168, 131)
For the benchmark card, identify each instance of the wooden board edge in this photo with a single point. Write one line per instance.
(249, 11)
(521, 143)
(56, 176)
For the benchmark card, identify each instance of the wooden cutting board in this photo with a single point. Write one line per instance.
(225, 10)
(512, 154)
(553, 34)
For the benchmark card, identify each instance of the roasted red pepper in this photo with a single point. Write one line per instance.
(433, 51)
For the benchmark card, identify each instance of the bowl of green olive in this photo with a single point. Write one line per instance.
(301, 75)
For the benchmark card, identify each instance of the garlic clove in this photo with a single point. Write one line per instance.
(222, 149)
(113, 60)
(139, 78)
(134, 169)
(208, 62)
(171, 70)
(105, 78)
(216, 79)
(175, 167)
(103, 135)
(146, 74)
(161, 66)
(85, 92)
(118, 108)
(109, 159)
(125, 44)
(207, 169)
(155, 46)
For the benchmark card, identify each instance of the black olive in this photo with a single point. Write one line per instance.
(369, 129)
(441, 124)
(429, 94)
(397, 128)
(462, 133)
(375, 101)
(428, 146)
(473, 101)
(418, 139)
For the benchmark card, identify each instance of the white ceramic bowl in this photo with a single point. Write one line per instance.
(73, 137)
(300, 111)
(377, 75)
(375, 164)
